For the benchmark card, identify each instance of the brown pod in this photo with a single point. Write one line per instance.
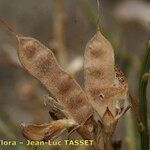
(99, 71)
(101, 82)
(40, 62)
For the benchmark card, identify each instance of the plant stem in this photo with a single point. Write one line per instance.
(59, 18)
(143, 99)
(87, 10)
(132, 136)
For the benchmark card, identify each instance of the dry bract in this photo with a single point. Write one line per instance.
(46, 130)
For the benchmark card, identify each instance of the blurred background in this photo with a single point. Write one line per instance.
(65, 27)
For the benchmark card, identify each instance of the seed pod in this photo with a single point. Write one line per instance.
(99, 71)
(102, 86)
(40, 62)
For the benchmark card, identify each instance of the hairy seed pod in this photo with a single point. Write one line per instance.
(40, 62)
(99, 71)
(99, 61)
(103, 84)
